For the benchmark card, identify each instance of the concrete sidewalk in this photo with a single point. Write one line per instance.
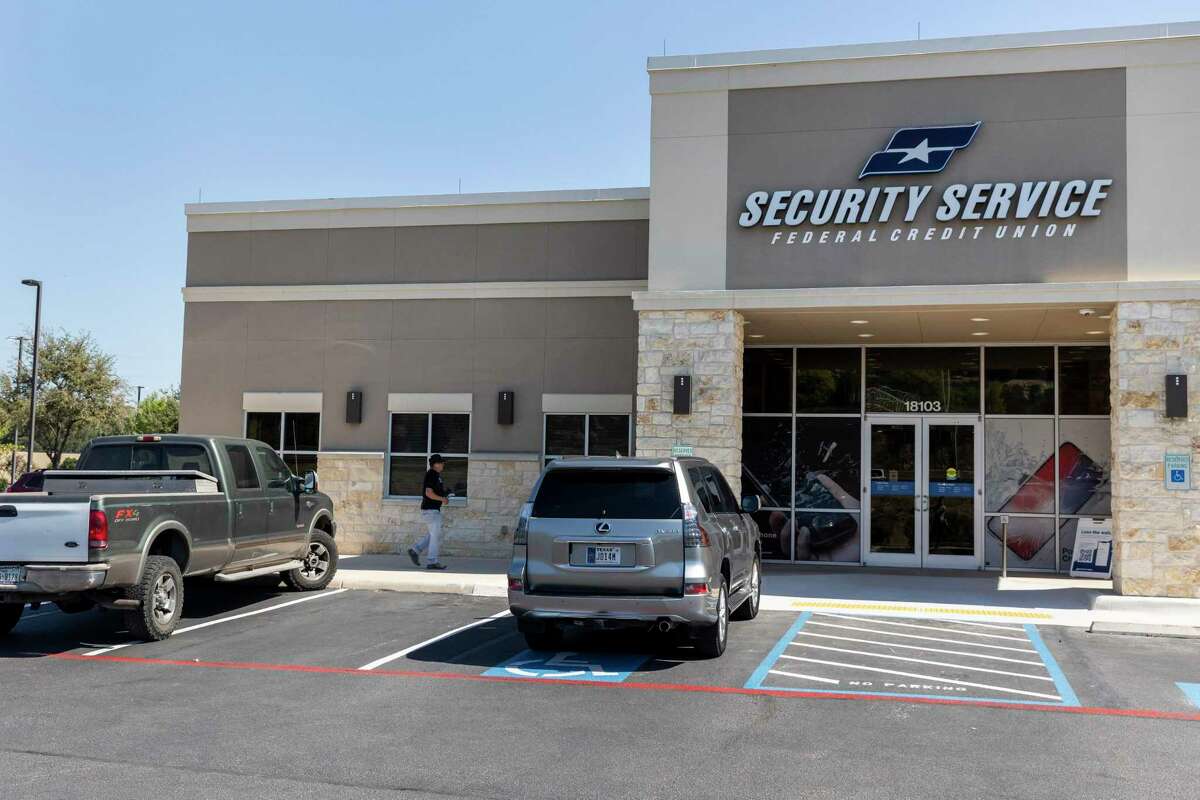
(1029, 598)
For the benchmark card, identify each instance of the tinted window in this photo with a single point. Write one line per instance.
(608, 435)
(451, 433)
(109, 456)
(767, 459)
(564, 434)
(923, 379)
(244, 476)
(767, 380)
(410, 433)
(614, 493)
(717, 481)
(827, 462)
(704, 493)
(301, 431)
(406, 475)
(265, 427)
(275, 471)
(1019, 380)
(828, 380)
(1083, 380)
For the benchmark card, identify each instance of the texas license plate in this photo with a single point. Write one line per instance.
(604, 556)
(10, 575)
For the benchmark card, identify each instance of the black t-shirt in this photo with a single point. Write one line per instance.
(433, 480)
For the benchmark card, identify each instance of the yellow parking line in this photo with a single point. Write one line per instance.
(896, 607)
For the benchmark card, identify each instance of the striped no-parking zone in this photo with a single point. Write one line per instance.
(931, 658)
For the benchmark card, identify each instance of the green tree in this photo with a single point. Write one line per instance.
(158, 413)
(79, 394)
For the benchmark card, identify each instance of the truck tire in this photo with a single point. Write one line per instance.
(749, 607)
(10, 613)
(160, 595)
(320, 564)
(711, 639)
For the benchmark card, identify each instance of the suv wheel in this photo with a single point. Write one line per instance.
(160, 595)
(10, 613)
(320, 563)
(749, 607)
(711, 639)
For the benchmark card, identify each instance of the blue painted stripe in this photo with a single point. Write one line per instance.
(1060, 679)
(1191, 691)
(759, 675)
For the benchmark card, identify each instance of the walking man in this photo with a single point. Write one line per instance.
(433, 495)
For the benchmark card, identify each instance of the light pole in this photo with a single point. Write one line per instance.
(12, 466)
(37, 332)
(139, 400)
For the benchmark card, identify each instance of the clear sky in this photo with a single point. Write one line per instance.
(113, 115)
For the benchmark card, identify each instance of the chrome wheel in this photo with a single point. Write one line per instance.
(165, 597)
(755, 587)
(316, 562)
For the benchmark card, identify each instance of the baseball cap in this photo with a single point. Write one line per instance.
(436, 458)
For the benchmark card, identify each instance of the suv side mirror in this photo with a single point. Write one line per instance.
(309, 485)
(751, 503)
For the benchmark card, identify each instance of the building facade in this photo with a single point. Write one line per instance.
(927, 296)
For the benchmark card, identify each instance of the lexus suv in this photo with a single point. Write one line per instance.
(659, 544)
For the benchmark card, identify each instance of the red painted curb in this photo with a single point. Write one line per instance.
(637, 685)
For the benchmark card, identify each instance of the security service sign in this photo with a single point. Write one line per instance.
(1038, 208)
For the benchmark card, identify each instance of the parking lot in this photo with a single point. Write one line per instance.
(437, 695)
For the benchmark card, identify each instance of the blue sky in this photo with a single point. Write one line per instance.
(116, 114)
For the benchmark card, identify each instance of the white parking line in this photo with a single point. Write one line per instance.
(933, 678)
(922, 661)
(922, 648)
(212, 622)
(879, 621)
(834, 681)
(925, 638)
(379, 662)
(982, 624)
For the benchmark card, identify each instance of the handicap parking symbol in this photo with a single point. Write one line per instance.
(1177, 476)
(569, 665)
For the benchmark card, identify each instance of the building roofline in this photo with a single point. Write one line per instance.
(421, 201)
(913, 47)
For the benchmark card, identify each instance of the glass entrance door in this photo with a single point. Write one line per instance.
(923, 494)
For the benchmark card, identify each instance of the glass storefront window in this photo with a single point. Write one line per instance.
(1019, 380)
(1019, 466)
(1030, 543)
(1083, 380)
(1084, 457)
(767, 459)
(926, 380)
(824, 536)
(828, 452)
(767, 380)
(828, 380)
(775, 532)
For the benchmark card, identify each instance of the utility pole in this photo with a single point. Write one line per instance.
(37, 332)
(12, 467)
(139, 400)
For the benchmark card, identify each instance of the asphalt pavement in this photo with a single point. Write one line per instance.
(267, 693)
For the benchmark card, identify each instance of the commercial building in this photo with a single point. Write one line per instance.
(917, 288)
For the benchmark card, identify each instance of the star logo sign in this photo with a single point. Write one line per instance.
(912, 151)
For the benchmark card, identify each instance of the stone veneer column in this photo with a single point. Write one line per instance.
(1156, 531)
(370, 523)
(708, 346)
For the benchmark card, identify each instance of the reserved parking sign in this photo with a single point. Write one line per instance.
(1177, 471)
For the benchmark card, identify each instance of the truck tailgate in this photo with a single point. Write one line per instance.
(40, 531)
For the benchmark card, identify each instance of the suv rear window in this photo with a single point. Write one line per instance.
(148, 457)
(613, 493)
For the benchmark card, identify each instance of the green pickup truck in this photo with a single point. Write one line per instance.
(142, 512)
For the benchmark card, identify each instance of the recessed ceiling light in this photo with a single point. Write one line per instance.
(1087, 312)
(859, 321)
(1106, 316)
(756, 335)
(981, 319)
(979, 333)
(865, 335)
(1096, 333)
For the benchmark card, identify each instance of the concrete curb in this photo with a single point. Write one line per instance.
(1146, 616)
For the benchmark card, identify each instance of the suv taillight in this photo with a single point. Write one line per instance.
(694, 534)
(97, 531)
(521, 535)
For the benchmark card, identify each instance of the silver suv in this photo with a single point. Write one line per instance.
(634, 542)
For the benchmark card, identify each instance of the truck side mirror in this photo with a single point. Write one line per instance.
(310, 482)
(751, 503)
